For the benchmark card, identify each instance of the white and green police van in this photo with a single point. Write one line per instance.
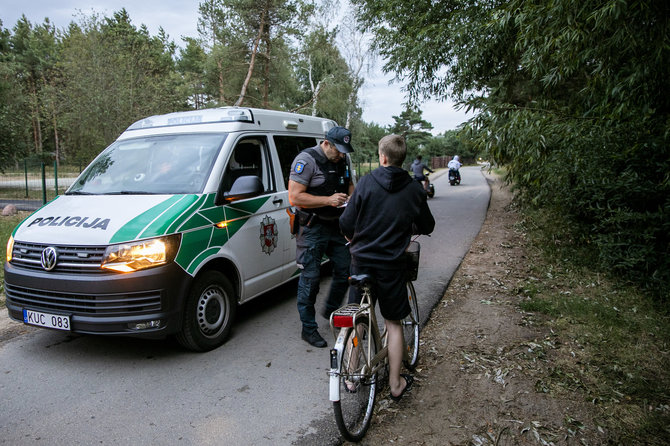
(171, 227)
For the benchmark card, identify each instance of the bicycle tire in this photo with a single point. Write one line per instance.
(353, 413)
(410, 329)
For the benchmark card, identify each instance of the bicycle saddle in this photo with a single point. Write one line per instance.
(361, 280)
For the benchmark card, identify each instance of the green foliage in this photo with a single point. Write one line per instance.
(7, 225)
(616, 333)
(14, 127)
(113, 74)
(414, 128)
(452, 142)
(366, 141)
(573, 98)
(323, 77)
(66, 94)
(249, 43)
(33, 54)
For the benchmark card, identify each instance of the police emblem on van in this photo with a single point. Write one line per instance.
(49, 258)
(269, 235)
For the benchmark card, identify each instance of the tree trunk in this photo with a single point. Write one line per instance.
(37, 126)
(352, 99)
(222, 96)
(315, 97)
(266, 89)
(257, 42)
(56, 141)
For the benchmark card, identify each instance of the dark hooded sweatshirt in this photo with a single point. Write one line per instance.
(386, 208)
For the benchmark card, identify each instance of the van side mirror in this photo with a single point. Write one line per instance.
(248, 186)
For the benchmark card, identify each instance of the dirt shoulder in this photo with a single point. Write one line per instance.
(10, 328)
(483, 360)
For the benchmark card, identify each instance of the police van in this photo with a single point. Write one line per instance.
(172, 226)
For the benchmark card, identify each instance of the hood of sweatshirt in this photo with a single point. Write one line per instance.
(391, 178)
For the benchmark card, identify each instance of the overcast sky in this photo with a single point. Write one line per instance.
(179, 18)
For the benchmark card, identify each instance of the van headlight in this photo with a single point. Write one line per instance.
(134, 256)
(10, 248)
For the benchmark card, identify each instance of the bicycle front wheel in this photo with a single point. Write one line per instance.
(410, 329)
(358, 385)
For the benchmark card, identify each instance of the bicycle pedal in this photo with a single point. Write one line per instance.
(344, 317)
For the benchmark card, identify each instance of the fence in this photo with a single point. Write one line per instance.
(439, 162)
(32, 183)
(362, 168)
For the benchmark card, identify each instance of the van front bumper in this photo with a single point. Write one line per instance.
(102, 303)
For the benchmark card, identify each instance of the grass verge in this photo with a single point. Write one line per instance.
(7, 225)
(617, 336)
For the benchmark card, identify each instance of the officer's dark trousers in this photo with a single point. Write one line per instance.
(312, 244)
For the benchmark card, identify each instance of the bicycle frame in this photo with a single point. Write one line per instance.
(349, 314)
(359, 357)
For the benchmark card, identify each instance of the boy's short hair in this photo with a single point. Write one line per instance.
(395, 149)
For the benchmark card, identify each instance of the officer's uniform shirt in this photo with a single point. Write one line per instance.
(305, 171)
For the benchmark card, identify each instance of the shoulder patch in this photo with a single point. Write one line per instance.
(299, 167)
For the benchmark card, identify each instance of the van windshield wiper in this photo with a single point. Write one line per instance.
(79, 192)
(132, 192)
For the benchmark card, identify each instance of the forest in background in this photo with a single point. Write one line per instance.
(65, 94)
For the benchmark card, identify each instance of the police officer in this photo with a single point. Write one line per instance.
(319, 186)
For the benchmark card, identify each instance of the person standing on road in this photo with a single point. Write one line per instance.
(384, 211)
(417, 169)
(320, 185)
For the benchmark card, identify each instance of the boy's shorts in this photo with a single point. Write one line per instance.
(390, 290)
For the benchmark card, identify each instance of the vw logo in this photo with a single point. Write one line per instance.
(49, 258)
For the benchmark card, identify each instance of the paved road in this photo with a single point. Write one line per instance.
(263, 387)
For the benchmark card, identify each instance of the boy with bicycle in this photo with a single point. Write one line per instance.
(386, 208)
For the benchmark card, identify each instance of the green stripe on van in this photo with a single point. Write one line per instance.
(186, 216)
(183, 208)
(194, 243)
(135, 227)
(201, 258)
(194, 216)
(250, 206)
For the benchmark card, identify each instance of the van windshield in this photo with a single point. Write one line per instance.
(167, 164)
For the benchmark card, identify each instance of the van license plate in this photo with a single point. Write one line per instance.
(56, 321)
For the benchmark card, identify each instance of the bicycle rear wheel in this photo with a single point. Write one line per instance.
(358, 387)
(410, 329)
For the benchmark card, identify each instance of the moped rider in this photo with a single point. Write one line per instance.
(454, 165)
(417, 169)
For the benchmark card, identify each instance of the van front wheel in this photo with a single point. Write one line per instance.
(209, 312)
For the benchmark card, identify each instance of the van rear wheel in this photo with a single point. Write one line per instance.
(209, 312)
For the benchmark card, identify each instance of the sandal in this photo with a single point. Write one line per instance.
(409, 379)
(350, 386)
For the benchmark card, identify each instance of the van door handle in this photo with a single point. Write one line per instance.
(277, 201)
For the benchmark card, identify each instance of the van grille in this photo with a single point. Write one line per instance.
(71, 259)
(103, 304)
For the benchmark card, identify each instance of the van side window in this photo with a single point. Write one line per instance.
(250, 157)
(287, 149)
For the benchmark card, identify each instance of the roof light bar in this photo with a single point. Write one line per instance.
(205, 116)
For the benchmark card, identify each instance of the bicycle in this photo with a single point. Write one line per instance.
(360, 353)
